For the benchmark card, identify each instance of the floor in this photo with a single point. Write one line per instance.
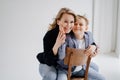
(109, 65)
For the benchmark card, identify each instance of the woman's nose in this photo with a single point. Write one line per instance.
(69, 25)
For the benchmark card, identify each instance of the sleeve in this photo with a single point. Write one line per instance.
(48, 43)
(61, 51)
(91, 39)
(40, 57)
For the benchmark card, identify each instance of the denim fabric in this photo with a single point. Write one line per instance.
(61, 75)
(93, 73)
(47, 72)
(50, 73)
(80, 73)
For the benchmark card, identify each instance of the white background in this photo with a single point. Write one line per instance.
(23, 24)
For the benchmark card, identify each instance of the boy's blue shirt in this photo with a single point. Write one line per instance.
(72, 42)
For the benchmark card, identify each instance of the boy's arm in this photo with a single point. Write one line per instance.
(93, 48)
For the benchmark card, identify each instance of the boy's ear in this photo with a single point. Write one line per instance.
(86, 28)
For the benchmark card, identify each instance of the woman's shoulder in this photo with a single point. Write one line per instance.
(51, 33)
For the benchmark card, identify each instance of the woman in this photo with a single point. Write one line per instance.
(53, 39)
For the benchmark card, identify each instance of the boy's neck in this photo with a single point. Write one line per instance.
(79, 36)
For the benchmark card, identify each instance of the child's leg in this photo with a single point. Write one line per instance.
(80, 73)
(94, 66)
(47, 72)
(61, 75)
(94, 75)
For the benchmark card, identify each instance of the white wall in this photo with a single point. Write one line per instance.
(105, 24)
(23, 24)
(118, 32)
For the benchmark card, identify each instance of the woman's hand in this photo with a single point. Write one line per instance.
(91, 51)
(59, 41)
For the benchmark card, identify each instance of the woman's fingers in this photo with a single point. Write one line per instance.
(61, 28)
(61, 38)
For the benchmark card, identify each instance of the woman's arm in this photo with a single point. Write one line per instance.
(52, 41)
(48, 43)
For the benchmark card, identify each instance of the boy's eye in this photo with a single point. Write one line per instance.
(81, 24)
(76, 23)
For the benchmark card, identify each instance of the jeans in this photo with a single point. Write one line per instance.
(47, 72)
(50, 73)
(93, 73)
(61, 75)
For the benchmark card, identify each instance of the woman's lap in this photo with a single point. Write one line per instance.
(47, 72)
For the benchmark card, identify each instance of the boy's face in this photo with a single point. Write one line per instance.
(66, 23)
(80, 26)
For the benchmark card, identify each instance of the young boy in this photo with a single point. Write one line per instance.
(82, 39)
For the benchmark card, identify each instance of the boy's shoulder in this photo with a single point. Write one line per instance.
(88, 32)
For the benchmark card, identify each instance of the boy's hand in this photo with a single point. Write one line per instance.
(91, 51)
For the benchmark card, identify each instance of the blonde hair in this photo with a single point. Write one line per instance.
(59, 16)
(83, 17)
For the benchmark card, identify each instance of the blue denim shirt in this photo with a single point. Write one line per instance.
(72, 42)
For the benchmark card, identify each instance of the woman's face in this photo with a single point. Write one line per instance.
(80, 26)
(66, 23)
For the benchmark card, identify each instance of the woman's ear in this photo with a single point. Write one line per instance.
(58, 22)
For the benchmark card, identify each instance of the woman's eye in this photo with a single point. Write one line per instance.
(72, 22)
(65, 21)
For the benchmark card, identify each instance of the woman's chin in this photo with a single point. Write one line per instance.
(67, 31)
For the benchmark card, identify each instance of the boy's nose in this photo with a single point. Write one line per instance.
(78, 26)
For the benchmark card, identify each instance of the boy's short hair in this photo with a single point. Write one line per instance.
(83, 17)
